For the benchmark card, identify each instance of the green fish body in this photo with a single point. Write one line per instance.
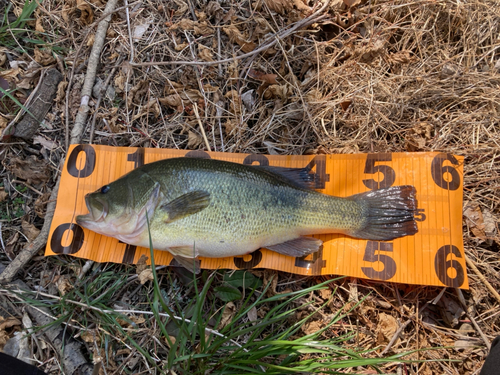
(213, 208)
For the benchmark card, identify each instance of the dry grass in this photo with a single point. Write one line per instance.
(384, 76)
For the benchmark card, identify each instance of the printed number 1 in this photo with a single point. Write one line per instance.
(138, 158)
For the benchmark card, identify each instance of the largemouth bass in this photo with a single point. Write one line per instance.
(213, 208)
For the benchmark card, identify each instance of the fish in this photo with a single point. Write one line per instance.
(211, 208)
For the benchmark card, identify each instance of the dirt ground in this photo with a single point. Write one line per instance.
(273, 77)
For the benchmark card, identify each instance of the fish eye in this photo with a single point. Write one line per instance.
(104, 189)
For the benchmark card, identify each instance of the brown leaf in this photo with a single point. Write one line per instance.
(3, 194)
(194, 140)
(41, 204)
(345, 104)
(64, 284)
(30, 230)
(351, 3)
(87, 15)
(32, 170)
(9, 323)
(142, 264)
(235, 36)
(227, 315)
(387, 326)
(312, 327)
(44, 57)
(268, 78)
(173, 100)
(38, 25)
(204, 53)
(145, 276)
(279, 6)
(299, 4)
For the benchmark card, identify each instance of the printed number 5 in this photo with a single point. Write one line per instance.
(371, 168)
(389, 264)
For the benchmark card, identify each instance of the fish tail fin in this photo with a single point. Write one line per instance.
(389, 213)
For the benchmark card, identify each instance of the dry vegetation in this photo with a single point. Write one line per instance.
(379, 76)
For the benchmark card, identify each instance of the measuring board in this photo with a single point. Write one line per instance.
(434, 256)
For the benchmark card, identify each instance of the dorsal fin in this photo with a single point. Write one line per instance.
(300, 177)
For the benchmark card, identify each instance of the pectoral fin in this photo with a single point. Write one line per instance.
(298, 247)
(191, 264)
(185, 205)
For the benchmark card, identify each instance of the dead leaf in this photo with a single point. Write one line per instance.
(351, 3)
(387, 326)
(87, 15)
(236, 36)
(145, 276)
(312, 327)
(38, 25)
(266, 77)
(141, 264)
(481, 223)
(3, 123)
(138, 92)
(401, 57)
(8, 323)
(3, 194)
(46, 143)
(61, 91)
(227, 315)
(173, 101)
(31, 169)
(44, 57)
(194, 140)
(203, 28)
(252, 314)
(204, 53)
(345, 104)
(30, 230)
(279, 6)
(299, 4)
(41, 204)
(140, 29)
(89, 335)
(64, 284)
(278, 91)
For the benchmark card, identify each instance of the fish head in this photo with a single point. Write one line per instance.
(120, 209)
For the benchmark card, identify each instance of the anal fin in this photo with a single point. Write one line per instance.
(298, 247)
(191, 264)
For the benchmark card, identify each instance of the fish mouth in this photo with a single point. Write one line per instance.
(98, 211)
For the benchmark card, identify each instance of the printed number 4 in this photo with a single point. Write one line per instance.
(389, 269)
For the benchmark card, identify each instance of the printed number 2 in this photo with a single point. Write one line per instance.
(371, 168)
(389, 264)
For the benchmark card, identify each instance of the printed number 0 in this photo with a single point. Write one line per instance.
(371, 168)
(76, 239)
(89, 165)
(438, 171)
(389, 264)
(441, 266)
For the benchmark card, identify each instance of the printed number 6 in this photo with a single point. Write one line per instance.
(371, 168)
(438, 171)
(389, 264)
(441, 265)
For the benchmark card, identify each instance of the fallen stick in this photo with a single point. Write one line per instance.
(100, 36)
(471, 264)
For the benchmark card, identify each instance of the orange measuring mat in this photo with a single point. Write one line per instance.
(434, 256)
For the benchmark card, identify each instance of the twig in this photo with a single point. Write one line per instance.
(395, 337)
(474, 323)
(471, 264)
(100, 35)
(101, 93)
(266, 45)
(195, 109)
